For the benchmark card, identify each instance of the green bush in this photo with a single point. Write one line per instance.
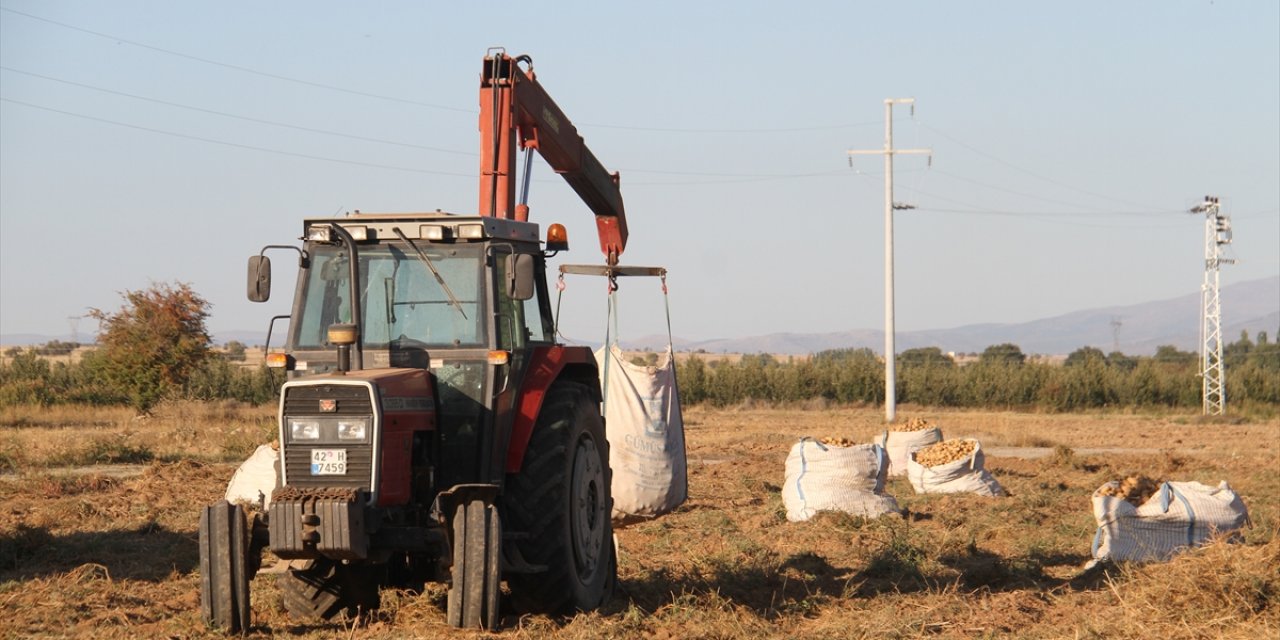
(1002, 378)
(1169, 380)
(30, 379)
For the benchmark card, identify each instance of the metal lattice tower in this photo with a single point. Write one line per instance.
(1217, 233)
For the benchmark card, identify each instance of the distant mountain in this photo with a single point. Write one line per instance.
(1251, 306)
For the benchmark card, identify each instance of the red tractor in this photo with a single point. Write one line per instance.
(432, 428)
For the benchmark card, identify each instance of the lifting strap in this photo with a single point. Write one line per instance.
(611, 325)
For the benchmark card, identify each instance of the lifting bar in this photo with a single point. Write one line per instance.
(613, 272)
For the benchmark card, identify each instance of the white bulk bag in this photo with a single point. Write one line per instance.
(1180, 515)
(256, 478)
(966, 475)
(900, 444)
(830, 478)
(645, 430)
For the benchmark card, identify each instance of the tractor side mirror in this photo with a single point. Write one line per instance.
(520, 276)
(259, 278)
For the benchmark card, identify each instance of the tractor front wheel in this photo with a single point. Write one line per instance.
(477, 574)
(224, 567)
(560, 505)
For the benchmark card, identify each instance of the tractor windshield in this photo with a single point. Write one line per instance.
(402, 301)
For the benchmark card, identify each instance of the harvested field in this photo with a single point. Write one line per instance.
(98, 515)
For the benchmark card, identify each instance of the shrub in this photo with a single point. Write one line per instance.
(153, 342)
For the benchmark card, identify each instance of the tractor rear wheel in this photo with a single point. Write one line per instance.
(477, 566)
(560, 503)
(224, 571)
(322, 588)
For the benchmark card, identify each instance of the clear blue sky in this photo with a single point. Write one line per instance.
(141, 142)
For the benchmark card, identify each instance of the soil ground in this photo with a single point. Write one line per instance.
(111, 551)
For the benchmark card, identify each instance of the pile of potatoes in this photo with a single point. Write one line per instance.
(914, 424)
(944, 452)
(1134, 489)
(837, 442)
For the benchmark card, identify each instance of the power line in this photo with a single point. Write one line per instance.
(1061, 219)
(1016, 168)
(739, 177)
(236, 67)
(175, 134)
(973, 209)
(728, 177)
(1010, 191)
(376, 96)
(235, 144)
(831, 127)
(1064, 214)
(736, 177)
(238, 117)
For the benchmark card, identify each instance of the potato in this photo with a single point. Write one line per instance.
(837, 442)
(1135, 489)
(944, 452)
(914, 424)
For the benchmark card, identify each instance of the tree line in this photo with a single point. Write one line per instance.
(156, 346)
(1002, 377)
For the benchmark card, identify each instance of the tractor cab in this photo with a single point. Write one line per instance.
(461, 297)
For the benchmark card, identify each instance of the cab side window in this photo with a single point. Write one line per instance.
(522, 321)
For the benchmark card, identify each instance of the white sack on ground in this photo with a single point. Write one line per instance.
(645, 430)
(1180, 515)
(966, 475)
(900, 444)
(831, 478)
(260, 474)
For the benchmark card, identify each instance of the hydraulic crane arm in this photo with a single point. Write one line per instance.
(515, 113)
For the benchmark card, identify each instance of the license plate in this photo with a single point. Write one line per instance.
(328, 462)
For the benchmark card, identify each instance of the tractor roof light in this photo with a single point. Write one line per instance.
(471, 231)
(319, 233)
(435, 232)
(324, 233)
(557, 238)
(499, 358)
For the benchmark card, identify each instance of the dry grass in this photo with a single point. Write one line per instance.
(108, 554)
(60, 436)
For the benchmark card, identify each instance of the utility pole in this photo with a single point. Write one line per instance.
(1217, 233)
(890, 374)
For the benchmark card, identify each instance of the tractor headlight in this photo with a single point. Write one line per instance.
(353, 429)
(304, 429)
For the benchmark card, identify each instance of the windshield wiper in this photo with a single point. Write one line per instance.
(431, 265)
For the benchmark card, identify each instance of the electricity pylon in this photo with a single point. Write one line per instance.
(1217, 234)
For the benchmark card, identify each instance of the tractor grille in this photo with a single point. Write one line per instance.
(304, 402)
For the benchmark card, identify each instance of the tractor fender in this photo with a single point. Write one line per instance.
(546, 366)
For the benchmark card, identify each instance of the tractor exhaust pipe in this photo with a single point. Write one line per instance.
(343, 335)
